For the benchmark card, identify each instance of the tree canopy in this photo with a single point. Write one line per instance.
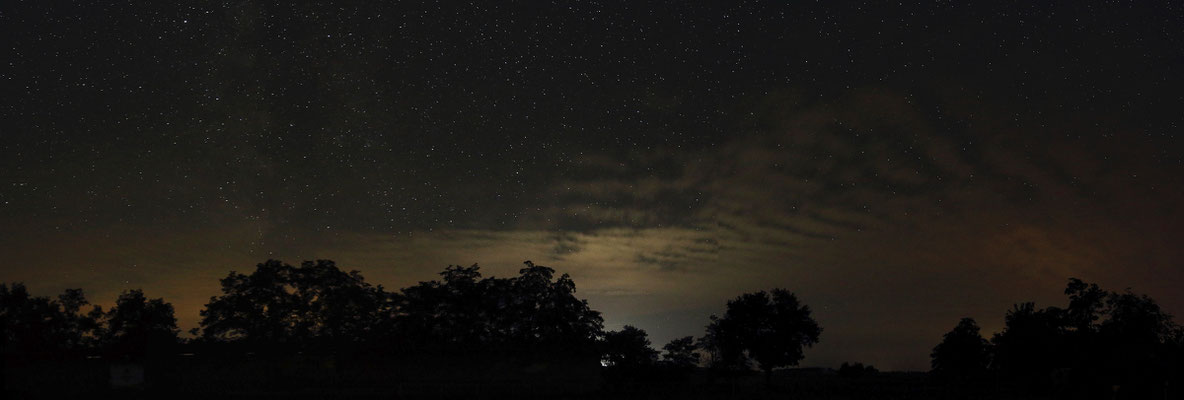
(1100, 340)
(281, 306)
(137, 326)
(962, 354)
(40, 326)
(628, 348)
(1121, 343)
(680, 353)
(770, 328)
(463, 311)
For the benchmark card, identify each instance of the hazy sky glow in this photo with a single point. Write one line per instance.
(896, 168)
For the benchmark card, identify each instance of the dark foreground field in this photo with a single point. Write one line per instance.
(192, 378)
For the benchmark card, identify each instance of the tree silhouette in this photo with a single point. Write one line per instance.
(1101, 341)
(40, 326)
(1174, 354)
(448, 313)
(545, 310)
(962, 354)
(680, 353)
(1136, 338)
(723, 346)
(1136, 320)
(856, 370)
(1031, 345)
(533, 312)
(628, 348)
(1086, 304)
(337, 307)
(280, 306)
(137, 326)
(771, 329)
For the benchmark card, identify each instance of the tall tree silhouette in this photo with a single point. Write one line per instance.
(137, 326)
(546, 310)
(769, 328)
(1087, 302)
(1031, 345)
(448, 314)
(338, 307)
(962, 354)
(280, 306)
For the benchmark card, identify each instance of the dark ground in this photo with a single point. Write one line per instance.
(320, 379)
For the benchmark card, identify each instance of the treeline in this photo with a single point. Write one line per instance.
(45, 328)
(320, 318)
(1103, 344)
(316, 311)
(315, 308)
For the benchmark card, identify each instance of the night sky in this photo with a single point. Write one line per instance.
(897, 167)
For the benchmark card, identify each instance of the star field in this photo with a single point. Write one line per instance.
(923, 162)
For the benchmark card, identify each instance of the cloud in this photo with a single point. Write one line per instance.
(889, 225)
(565, 244)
